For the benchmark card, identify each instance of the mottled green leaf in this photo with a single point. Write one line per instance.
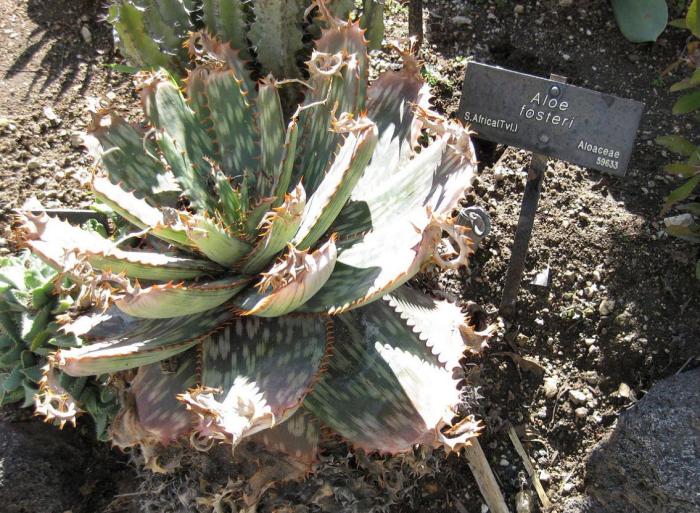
(388, 387)
(277, 35)
(227, 19)
(140, 343)
(677, 144)
(255, 374)
(164, 301)
(137, 44)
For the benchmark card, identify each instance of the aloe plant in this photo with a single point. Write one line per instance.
(154, 33)
(29, 307)
(263, 288)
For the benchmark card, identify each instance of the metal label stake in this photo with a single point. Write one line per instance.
(552, 119)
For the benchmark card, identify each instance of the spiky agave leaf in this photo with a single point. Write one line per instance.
(391, 383)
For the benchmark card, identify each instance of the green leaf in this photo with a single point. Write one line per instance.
(277, 36)
(256, 373)
(677, 144)
(52, 240)
(390, 383)
(128, 21)
(215, 241)
(156, 391)
(681, 168)
(297, 437)
(130, 158)
(372, 21)
(386, 233)
(682, 192)
(692, 19)
(277, 229)
(687, 83)
(165, 301)
(337, 185)
(287, 285)
(687, 103)
(272, 137)
(227, 19)
(641, 21)
(141, 342)
(234, 124)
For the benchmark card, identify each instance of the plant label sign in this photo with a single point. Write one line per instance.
(575, 124)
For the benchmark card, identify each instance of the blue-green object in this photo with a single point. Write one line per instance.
(641, 21)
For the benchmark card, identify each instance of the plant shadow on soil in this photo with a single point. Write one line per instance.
(58, 52)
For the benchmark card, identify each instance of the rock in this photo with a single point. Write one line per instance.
(624, 390)
(33, 164)
(41, 468)
(519, 9)
(551, 387)
(568, 488)
(581, 413)
(524, 501)
(462, 20)
(650, 462)
(607, 306)
(544, 476)
(577, 397)
(86, 34)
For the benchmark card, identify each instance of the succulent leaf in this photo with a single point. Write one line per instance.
(332, 193)
(141, 342)
(129, 157)
(272, 136)
(276, 229)
(214, 241)
(169, 300)
(58, 243)
(234, 124)
(288, 284)
(277, 36)
(155, 391)
(255, 374)
(228, 19)
(388, 386)
(136, 42)
(298, 437)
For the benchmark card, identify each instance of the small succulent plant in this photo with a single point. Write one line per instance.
(29, 306)
(263, 290)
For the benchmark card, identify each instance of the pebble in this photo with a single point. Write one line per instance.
(551, 387)
(523, 501)
(504, 462)
(577, 397)
(462, 20)
(624, 390)
(76, 140)
(33, 164)
(86, 34)
(484, 508)
(581, 413)
(607, 306)
(544, 476)
(519, 9)
(40, 182)
(568, 488)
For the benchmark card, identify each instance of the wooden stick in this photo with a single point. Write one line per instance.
(484, 477)
(415, 21)
(530, 469)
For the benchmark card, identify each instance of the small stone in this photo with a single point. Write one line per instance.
(462, 20)
(76, 140)
(607, 306)
(566, 3)
(577, 397)
(484, 508)
(523, 501)
(3, 242)
(542, 413)
(40, 182)
(566, 56)
(581, 413)
(551, 387)
(624, 390)
(504, 462)
(597, 276)
(568, 488)
(86, 34)
(33, 164)
(544, 476)
(52, 116)
(521, 339)
(519, 9)
(499, 173)
(4, 123)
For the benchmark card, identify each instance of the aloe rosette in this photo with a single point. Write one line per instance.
(263, 288)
